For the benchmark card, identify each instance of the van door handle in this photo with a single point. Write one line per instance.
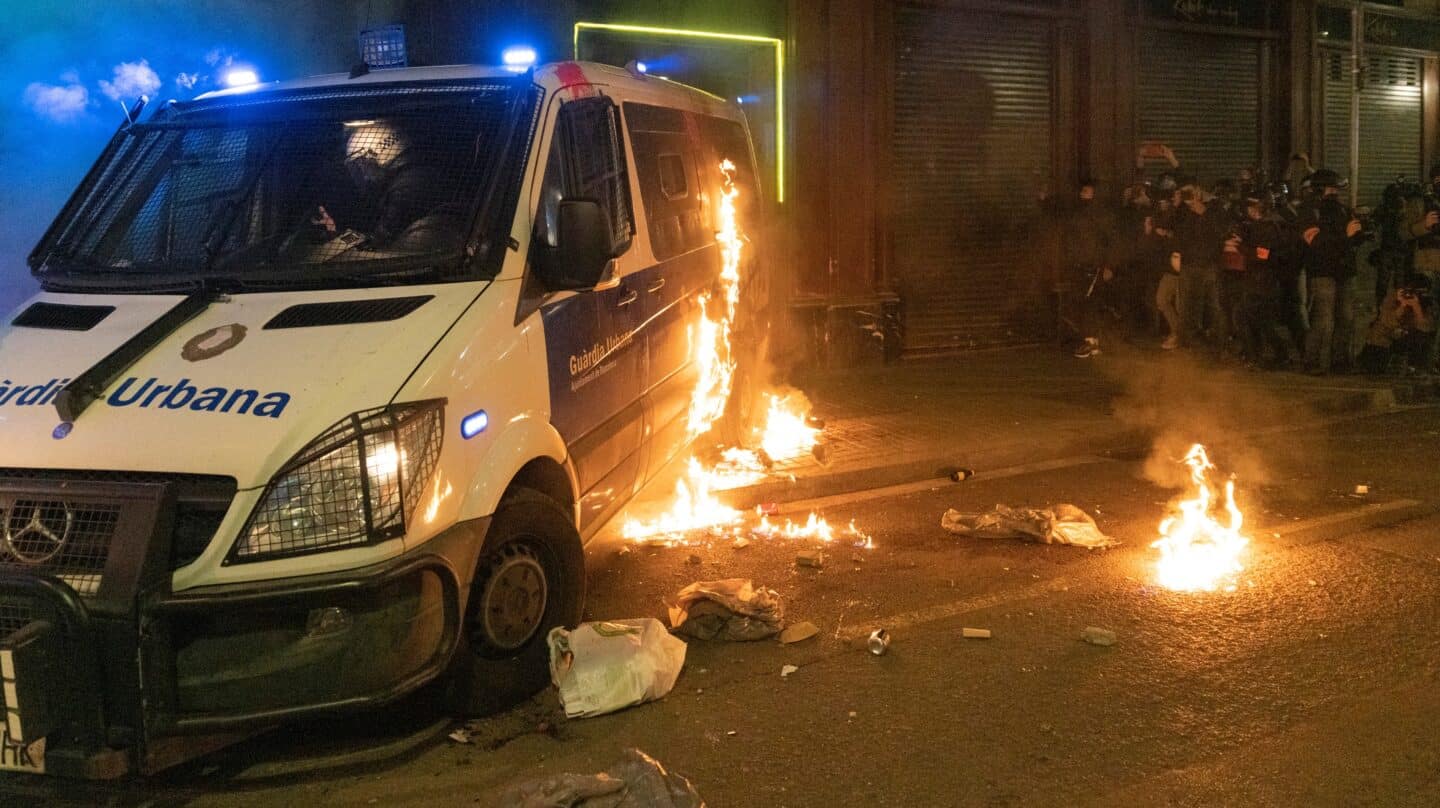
(656, 286)
(629, 298)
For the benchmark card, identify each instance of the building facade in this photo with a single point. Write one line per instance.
(909, 140)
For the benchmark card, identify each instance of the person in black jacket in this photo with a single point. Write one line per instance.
(1260, 240)
(1200, 231)
(1088, 243)
(1330, 232)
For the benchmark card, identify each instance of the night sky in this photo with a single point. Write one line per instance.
(66, 66)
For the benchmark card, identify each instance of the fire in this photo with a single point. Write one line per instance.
(1197, 551)
(786, 433)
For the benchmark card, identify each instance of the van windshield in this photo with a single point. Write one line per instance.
(320, 187)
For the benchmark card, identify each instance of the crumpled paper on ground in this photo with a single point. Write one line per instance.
(732, 609)
(1058, 524)
(636, 781)
(603, 667)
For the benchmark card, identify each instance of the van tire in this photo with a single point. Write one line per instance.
(532, 556)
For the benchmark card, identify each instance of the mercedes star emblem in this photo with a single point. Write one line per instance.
(38, 539)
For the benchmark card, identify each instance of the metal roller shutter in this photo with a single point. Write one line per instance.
(971, 142)
(1390, 120)
(1200, 95)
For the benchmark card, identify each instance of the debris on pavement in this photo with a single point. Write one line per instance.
(975, 633)
(635, 781)
(1058, 524)
(786, 670)
(694, 560)
(1362, 490)
(730, 609)
(607, 666)
(1098, 636)
(460, 736)
(741, 542)
(960, 475)
(810, 558)
(879, 642)
(798, 633)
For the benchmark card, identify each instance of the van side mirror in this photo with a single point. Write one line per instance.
(582, 248)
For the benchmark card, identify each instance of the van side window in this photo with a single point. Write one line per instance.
(587, 161)
(666, 165)
(672, 177)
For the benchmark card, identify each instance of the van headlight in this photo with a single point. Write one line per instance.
(355, 484)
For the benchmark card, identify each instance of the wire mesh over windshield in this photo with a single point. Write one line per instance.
(287, 185)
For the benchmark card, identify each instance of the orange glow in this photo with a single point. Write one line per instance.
(1197, 551)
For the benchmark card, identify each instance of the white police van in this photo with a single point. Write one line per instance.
(328, 384)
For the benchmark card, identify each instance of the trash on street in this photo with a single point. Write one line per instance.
(1058, 524)
(1098, 636)
(603, 667)
(810, 558)
(879, 642)
(729, 609)
(635, 781)
(786, 670)
(975, 633)
(799, 632)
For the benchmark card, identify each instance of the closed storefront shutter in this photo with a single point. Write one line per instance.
(1390, 122)
(1200, 95)
(971, 145)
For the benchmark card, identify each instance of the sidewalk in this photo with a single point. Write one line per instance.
(921, 420)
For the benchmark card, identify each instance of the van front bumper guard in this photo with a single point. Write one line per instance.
(218, 663)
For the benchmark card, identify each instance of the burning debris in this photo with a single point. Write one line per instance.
(789, 430)
(1197, 551)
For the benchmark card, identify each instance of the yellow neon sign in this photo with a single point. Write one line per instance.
(779, 46)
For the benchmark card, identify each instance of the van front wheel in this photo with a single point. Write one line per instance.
(530, 578)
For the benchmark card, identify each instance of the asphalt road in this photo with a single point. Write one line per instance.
(1316, 681)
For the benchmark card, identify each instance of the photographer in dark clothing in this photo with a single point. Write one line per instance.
(1200, 232)
(1422, 227)
(1258, 315)
(1330, 232)
(1088, 243)
(1404, 329)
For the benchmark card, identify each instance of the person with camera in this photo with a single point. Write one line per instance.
(1330, 232)
(1200, 233)
(1422, 226)
(1404, 330)
(1260, 242)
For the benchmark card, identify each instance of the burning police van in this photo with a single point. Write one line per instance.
(329, 383)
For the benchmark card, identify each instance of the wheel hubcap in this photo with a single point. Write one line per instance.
(512, 603)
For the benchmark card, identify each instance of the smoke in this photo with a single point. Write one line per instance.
(132, 80)
(187, 81)
(58, 103)
(1179, 400)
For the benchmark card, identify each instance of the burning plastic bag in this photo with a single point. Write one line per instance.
(636, 781)
(732, 609)
(1058, 524)
(603, 667)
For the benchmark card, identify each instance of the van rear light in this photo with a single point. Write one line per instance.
(356, 484)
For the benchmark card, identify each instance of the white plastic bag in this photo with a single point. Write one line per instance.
(603, 667)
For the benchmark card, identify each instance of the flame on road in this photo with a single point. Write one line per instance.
(786, 434)
(1197, 551)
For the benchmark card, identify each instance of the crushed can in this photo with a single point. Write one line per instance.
(879, 642)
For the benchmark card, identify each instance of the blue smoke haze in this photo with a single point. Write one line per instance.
(62, 64)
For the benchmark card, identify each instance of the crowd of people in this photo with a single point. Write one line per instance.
(1249, 270)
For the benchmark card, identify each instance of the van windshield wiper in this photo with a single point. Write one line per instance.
(88, 387)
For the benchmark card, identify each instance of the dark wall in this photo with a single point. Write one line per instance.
(65, 67)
